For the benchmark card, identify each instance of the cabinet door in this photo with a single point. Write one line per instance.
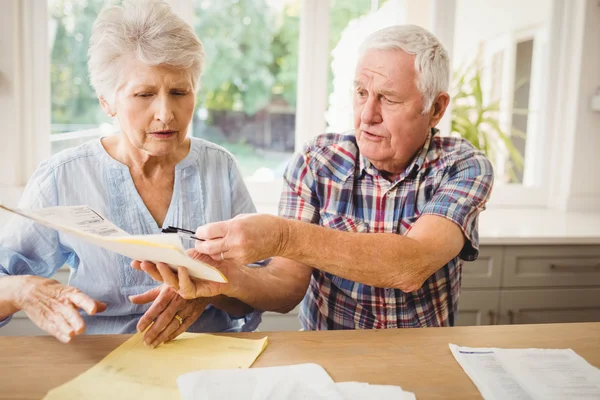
(536, 266)
(272, 322)
(486, 271)
(478, 307)
(542, 306)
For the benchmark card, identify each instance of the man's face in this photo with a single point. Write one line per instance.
(389, 122)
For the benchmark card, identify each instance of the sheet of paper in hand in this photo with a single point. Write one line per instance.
(92, 227)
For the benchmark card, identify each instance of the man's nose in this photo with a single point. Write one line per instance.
(371, 112)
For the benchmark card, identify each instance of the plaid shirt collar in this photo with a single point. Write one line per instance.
(366, 167)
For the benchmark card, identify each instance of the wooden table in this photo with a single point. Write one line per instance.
(416, 359)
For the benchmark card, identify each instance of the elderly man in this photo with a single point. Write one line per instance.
(375, 223)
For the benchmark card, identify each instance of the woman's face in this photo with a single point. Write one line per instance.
(154, 106)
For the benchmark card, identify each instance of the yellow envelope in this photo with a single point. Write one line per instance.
(134, 371)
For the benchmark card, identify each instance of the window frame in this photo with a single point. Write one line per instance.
(310, 115)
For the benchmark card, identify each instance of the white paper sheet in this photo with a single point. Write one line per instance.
(529, 373)
(292, 382)
(92, 227)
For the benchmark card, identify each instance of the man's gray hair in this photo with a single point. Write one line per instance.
(432, 64)
(146, 30)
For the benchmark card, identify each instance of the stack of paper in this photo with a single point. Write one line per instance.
(92, 227)
(529, 373)
(134, 371)
(293, 382)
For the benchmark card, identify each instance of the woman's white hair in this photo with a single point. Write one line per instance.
(146, 30)
(432, 64)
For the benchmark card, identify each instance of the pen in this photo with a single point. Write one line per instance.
(184, 233)
(187, 234)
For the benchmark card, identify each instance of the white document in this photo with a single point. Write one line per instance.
(90, 226)
(292, 382)
(529, 373)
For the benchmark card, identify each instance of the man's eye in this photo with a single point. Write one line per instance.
(361, 93)
(388, 101)
(143, 95)
(179, 93)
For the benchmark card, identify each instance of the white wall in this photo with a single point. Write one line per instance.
(480, 20)
(585, 179)
(10, 137)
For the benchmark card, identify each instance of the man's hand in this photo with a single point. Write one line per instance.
(54, 307)
(245, 239)
(167, 305)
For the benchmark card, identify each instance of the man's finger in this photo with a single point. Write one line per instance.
(212, 247)
(146, 297)
(156, 309)
(212, 231)
(167, 275)
(150, 269)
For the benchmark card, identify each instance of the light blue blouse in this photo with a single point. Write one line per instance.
(208, 188)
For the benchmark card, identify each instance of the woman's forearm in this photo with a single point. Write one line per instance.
(9, 287)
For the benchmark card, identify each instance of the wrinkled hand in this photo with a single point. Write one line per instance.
(167, 304)
(181, 282)
(246, 239)
(54, 307)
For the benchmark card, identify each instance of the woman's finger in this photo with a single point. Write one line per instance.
(82, 300)
(165, 333)
(163, 300)
(187, 289)
(136, 264)
(168, 276)
(147, 296)
(198, 309)
(162, 320)
(150, 269)
(72, 317)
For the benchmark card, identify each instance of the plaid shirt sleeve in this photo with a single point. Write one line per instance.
(462, 195)
(299, 197)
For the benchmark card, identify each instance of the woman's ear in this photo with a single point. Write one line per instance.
(108, 109)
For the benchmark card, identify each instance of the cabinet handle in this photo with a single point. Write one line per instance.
(574, 266)
(492, 316)
(511, 317)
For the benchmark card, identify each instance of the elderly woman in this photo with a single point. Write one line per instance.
(145, 63)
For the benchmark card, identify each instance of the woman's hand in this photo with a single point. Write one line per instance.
(186, 286)
(167, 306)
(54, 307)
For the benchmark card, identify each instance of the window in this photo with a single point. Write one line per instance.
(509, 51)
(268, 68)
(76, 116)
(247, 101)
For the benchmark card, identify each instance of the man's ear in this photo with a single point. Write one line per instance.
(438, 108)
(108, 109)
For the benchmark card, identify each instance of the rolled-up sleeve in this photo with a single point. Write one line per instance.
(461, 196)
(26, 247)
(299, 197)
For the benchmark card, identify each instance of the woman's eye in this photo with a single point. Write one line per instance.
(143, 95)
(179, 93)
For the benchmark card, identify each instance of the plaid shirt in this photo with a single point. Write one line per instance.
(331, 184)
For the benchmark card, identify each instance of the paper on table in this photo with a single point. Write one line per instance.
(529, 373)
(361, 390)
(291, 382)
(134, 371)
(94, 228)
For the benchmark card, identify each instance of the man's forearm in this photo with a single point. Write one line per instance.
(278, 287)
(377, 259)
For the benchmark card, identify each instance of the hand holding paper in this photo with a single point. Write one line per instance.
(90, 226)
